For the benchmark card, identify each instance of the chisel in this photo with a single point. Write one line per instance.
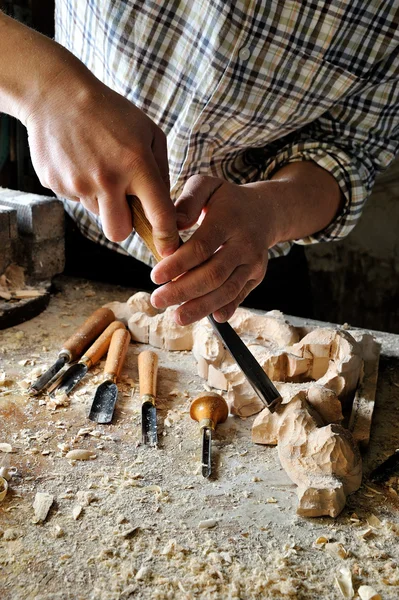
(76, 372)
(148, 370)
(208, 409)
(387, 469)
(106, 395)
(75, 346)
(252, 370)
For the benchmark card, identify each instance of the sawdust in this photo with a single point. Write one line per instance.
(138, 532)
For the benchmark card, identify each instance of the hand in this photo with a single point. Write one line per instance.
(92, 145)
(224, 259)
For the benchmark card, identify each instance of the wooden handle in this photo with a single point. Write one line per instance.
(148, 370)
(209, 409)
(142, 226)
(117, 353)
(101, 345)
(89, 331)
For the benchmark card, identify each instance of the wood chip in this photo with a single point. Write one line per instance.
(41, 506)
(77, 511)
(81, 454)
(366, 592)
(374, 521)
(207, 524)
(3, 488)
(4, 447)
(336, 549)
(344, 583)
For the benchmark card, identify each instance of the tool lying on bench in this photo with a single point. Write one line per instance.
(256, 376)
(76, 372)
(75, 346)
(208, 409)
(148, 370)
(106, 395)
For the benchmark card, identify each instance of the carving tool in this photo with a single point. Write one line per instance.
(106, 395)
(148, 370)
(208, 409)
(75, 346)
(77, 371)
(385, 470)
(252, 370)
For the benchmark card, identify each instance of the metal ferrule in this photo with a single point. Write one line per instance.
(64, 353)
(207, 423)
(86, 361)
(148, 398)
(110, 377)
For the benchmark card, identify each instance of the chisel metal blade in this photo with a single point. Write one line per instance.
(386, 469)
(44, 380)
(70, 379)
(256, 376)
(149, 427)
(206, 452)
(103, 406)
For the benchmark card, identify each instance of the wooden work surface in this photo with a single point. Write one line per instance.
(140, 533)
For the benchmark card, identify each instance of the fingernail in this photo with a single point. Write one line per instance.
(157, 302)
(220, 316)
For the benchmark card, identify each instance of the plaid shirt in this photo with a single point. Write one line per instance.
(243, 87)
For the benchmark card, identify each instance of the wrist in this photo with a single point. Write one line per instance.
(28, 76)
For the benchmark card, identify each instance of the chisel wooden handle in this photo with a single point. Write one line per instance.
(148, 370)
(142, 226)
(89, 331)
(101, 345)
(209, 409)
(116, 354)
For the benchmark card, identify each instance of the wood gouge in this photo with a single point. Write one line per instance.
(387, 469)
(77, 371)
(75, 346)
(208, 409)
(252, 370)
(148, 370)
(103, 406)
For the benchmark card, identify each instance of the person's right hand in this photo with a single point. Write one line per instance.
(90, 144)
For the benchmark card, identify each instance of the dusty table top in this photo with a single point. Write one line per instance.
(150, 526)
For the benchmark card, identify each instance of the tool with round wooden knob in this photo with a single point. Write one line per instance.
(208, 409)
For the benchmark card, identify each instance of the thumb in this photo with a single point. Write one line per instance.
(196, 193)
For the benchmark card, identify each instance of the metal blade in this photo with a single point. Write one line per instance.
(252, 370)
(206, 452)
(102, 409)
(385, 470)
(149, 428)
(70, 379)
(44, 380)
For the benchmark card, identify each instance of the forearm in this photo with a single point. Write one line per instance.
(29, 65)
(302, 199)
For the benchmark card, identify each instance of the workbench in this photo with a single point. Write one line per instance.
(149, 525)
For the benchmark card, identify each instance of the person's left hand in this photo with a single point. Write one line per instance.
(224, 259)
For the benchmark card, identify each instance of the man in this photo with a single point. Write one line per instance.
(277, 116)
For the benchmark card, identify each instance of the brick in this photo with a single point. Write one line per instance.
(8, 236)
(42, 259)
(39, 216)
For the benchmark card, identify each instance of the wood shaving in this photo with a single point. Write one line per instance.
(343, 581)
(4, 447)
(207, 524)
(77, 511)
(374, 521)
(3, 488)
(366, 592)
(81, 454)
(41, 506)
